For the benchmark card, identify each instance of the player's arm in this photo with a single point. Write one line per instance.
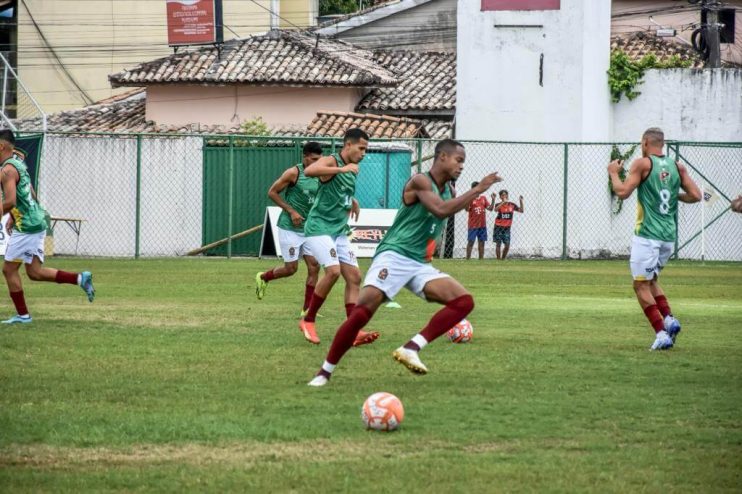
(520, 207)
(691, 192)
(355, 209)
(9, 179)
(420, 185)
(326, 167)
(491, 205)
(638, 169)
(289, 177)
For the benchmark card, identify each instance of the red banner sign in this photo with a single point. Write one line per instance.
(193, 22)
(520, 4)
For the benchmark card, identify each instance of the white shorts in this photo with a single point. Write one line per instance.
(293, 245)
(331, 251)
(390, 272)
(648, 257)
(22, 247)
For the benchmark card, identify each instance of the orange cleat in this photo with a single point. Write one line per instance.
(307, 329)
(364, 338)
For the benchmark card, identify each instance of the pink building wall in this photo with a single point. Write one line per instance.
(229, 105)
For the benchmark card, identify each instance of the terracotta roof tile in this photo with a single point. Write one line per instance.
(279, 57)
(427, 83)
(638, 45)
(334, 124)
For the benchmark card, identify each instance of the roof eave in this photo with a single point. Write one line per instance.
(374, 15)
(117, 84)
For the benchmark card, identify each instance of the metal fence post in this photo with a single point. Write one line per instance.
(677, 230)
(138, 226)
(419, 155)
(564, 202)
(230, 199)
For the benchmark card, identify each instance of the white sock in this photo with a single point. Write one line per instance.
(328, 367)
(79, 280)
(419, 340)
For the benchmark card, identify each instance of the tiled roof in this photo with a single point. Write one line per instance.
(334, 124)
(638, 45)
(427, 84)
(439, 129)
(279, 57)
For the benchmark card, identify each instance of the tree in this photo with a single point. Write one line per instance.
(331, 7)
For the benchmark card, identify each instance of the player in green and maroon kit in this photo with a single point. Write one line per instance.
(504, 221)
(298, 192)
(403, 260)
(659, 180)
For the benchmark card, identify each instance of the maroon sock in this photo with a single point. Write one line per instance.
(446, 318)
(65, 277)
(663, 305)
(655, 318)
(308, 292)
(347, 332)
(349, 309)
(314, 307)
(267, 276)
(20, 303)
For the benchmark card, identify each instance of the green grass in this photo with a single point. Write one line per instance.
(177, 379)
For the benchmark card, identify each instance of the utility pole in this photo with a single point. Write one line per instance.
(712, 33)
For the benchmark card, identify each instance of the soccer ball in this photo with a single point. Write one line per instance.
(463, 332)
(382, 412)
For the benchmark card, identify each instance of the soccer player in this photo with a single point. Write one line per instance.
(477, 223)
(403, 260)
(326, 229)
(659, 180)
(26, 243)
(503, 222)
(299, 193)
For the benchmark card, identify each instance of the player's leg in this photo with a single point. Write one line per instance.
(325, 251)
(481, 237)
(505, 242)
(458, 304)
(498, 242)
(643, 262)
(37, 272)
(313, 269)
(469, 246)
(352, 276)
(11, 272)
(290, 243)
(672, 325)
(347, 334)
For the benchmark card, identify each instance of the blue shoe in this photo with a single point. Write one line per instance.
(662, 342)
(86, 283)
(672, 326)
(16, 319)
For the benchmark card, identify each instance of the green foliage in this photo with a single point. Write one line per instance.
(255, 127)
(332, 7)
(616, 154)
(177, 380)
(624, 74)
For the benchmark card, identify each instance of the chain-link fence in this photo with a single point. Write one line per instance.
(157, 195)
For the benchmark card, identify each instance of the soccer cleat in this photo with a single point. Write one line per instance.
(318, 381)
(304, 313)
(307, 329)
(86, 283)
(662, 341)
(16, 319)
(672, 326)
(410, 359)
(260, 286)
(364, 338)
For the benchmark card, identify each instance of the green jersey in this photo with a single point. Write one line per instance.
(415, 229)
(332, 205)
(28, 215)
(300, 196)
(658, 201)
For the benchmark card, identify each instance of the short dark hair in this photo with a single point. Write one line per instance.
(354, 135)
(474, 184)
(446, 146)
(8, 136)
(503, 191)
(312, 147)
(655, 136)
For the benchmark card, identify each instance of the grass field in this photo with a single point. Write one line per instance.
(177, 379)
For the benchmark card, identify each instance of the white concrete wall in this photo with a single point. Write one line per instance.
(689, 105)
(499, 96)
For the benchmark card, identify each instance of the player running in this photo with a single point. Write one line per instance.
(403, 260)
(299, 192)
(26, 243)
(326, 229)
(659, 180)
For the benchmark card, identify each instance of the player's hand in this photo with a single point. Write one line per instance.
(355, 210)
(9, 224)
(737, 204)
(351, 168)
(296, 218)
(488, 181)
(614, 166)
(520, 198)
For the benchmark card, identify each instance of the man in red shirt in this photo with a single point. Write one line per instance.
(477, 210)
(504, 221)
